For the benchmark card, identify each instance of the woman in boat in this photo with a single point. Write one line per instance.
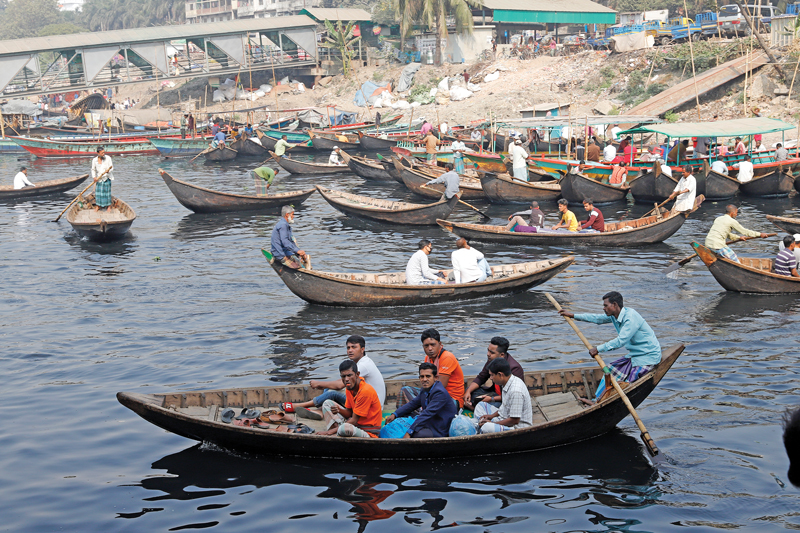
(102, 177)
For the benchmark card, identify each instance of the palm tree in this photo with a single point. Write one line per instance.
(434, 14)
(405, 12)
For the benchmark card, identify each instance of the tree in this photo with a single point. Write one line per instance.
(24, 18)
(104, 15)
(341, 38)
(61, 28)
(434, 14)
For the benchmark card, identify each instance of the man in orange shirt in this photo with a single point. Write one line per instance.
(362, 412)
(448, 369)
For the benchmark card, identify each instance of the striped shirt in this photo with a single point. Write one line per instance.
(784, 263)
(516, 402)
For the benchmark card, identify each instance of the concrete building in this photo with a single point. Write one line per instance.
(220, 10)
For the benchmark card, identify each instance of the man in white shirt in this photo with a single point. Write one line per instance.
(745, 170)
(458, 148)
(444, 128)
(719, 167)
(615, 131)
(685, 190)
(469, 264)
(21, 179)
(609, 152)
(417, 270)
(334, 157)
(665, 168)
(519, 160)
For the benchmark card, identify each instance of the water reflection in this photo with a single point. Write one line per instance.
(206, 226)
(728, 307)
(119, 247)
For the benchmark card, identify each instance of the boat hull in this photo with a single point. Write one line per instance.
(720, 187)
(489, 163)
(789, 225)
(652, 187)
(248, 148)
(108, 228)
(376, 144)
(179, 147)
(736, 277)
(325, 143)
(44, 188)
(576, 188)
(776, 184)
(371, 170)
(55, 149)
(221, 153)
(293, 166)
(420, 215)
(415, 181)
(501, 189)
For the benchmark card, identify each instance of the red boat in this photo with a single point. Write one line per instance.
(48, 148)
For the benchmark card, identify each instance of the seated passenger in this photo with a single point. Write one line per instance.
(595, 222)
(436, 408)
(515, 410)
(475, 393)
(417, 270)
(568, 220)
(619, 174)
(448, 369)
(786, 263)
(535, 220)
(362, 411)
(469, 265)
(333, 159)
(719, 167)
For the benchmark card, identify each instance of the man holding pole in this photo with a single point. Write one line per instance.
(633, 333)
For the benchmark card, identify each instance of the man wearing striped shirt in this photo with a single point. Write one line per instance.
(786, 263)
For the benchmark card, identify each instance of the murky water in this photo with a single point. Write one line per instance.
(188, 302)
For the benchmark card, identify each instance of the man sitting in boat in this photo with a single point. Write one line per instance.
(796, 250)
(218, 140)
(685, 190)
(417, 270)
(722, 231)
(362, 411)
(719, 167)
(535, 220)
(436, 408)
(333, 159)
(515, 410)
(102, 177)
(619, 174)
(469, 265)
(609, 153)
(595, 223)
(781, 153)
(739, 148)
(746, 170)
(447, 366)
(450, 180)
(633, 333)
(786, 263)
(333, 390)
(21, 179)
(593, 152)
(284, 246)
(476, 393)
(568, 220)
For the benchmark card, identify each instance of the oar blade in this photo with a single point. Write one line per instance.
(650, 444)
(672, 268)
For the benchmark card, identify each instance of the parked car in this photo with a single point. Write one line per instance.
(732, 21)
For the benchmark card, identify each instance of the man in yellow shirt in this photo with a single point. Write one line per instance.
(568, 219)
(723, 230)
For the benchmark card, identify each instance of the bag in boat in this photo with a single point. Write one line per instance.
(397, 428)
(462, 426)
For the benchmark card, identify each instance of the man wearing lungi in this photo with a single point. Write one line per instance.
(102, 177)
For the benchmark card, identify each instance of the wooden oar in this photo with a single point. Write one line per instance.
(657, 208)
(646, 438)
(675, 266)
(79, 195)
(487, 217)
(201, 153)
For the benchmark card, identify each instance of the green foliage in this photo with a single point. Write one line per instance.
(377, 75)
(421, 93)
(384, 13)
(435, 15)
(104, 15)
(707, 54)
(341, 38)
(614, 111)
(24, 18)
(61, 28)
(670, 116)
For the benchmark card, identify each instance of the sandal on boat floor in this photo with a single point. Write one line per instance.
(248, 414)
(227, 415)
(303, 412)
(281, 419)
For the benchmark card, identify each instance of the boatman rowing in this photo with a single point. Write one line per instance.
(450, 179)
(284, 246)
(633, 333)
(722, 231)
(102, 176)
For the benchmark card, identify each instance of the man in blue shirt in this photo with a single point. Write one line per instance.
(450, 180)
(284, 246)
(633, 333)
(436, 408)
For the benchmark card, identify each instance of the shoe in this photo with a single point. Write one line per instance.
(287, 407)
(227, 415)
(304, 412)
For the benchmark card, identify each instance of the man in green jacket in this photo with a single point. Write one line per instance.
(722, 230)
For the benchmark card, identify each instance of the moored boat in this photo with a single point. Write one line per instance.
(652, 185)
(366, 168)
(789, 225)
(202, 200)
(328, 141)
(101, 225)
(295, 166)
(486, 161)
(48, 148)
(388, 211)
(717, 186)
(777, 184)
(559, 418)
(248, 147)
(180, 147)
(575, 188)
(269, 143)
(751, 274)
(375, 143)
(43, 188)
(503, 189)
(220, 153)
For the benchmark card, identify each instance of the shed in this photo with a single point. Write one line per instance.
(540, 110)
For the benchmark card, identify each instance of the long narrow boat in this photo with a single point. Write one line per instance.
(221, 153)
(202, 200)
(789, 225)
(388, 166)
(503, 189)
(322, 140)
(444, 154)
(652, 186)
(777, 184)
(416, 178)
(575, 188)
(750, 275)
(47, 148)
(292, 137)
(269, 143)
(43, 188)
(717, 186)
(101, 225)
(8, 146)
(180, 147)
(365, 126)
(366, 168)
(628, 233)
(295, 166)
(390, 289)
(375, 143)
(389, 211)
(248, 148)
(559, 418)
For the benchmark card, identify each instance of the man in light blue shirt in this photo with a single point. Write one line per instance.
(450, 179)
(633, 333)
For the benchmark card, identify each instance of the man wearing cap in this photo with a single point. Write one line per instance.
(685, 190)
(519, 160)
(334, 157)
(722, 231)
(284, 246)
(21, 179)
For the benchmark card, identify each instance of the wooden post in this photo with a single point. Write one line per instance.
(275, 84)
(158, 96)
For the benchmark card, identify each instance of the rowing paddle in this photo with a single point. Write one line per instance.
(79, 195)
(201, 153)
(646, 438)
(487, 217)
(657, 208)
(675, 266)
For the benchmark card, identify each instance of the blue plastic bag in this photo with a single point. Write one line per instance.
(461, 426)
(397, 428)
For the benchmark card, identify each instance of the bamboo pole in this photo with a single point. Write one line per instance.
(694, 75)
(274, 84)
(158, 96)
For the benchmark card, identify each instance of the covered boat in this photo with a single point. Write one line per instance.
(101, 225)
(388, 211)
(346, 289)
(43, 188)
(416, 178)
(789, 225)
(220, 153)
(751, 275)
(559, 418)
(776, 184)
(504, 189)
(202, 200)
(295, 166)
(366, 168)
(575, 188)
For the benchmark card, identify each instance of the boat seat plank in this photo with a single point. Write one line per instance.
(760, 264)
(559, 405)
(555, 399)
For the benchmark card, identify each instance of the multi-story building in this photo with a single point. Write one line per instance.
(219, 10)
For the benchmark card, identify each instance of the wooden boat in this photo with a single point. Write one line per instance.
(221, 153)
(751, 275)
(389, 211)
(777, 184)
(390, 289)
(48, 148)
(366, 168)
(416, 178)
(487, 161)
(365, 126)
(180, 147)
(292, 137)
(789, 225)
(202, 200)
(388, 166)
(247, 147)
(652, 186)
(717, 186)
(269, 143)
(43, 188)
(444, 154)
(295, 166)
(326, 141)
(503, 189)
(559, 418)
(577, 187)
(100, 225)
(373, 143)
(638, 232)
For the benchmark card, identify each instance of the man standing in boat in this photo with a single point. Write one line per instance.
(722, 231)
(450, 180)
(633, 334)
(362, 412)
(284, 246)
(281, 146)
(436, 408)
(685, 190)
(431, 142)
(102, 177)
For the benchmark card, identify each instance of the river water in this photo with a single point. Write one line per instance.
(187, 302)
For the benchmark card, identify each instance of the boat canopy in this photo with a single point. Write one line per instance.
(721, 128)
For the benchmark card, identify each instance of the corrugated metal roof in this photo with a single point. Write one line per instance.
(346, 14)
(719, 128)
(584, 6)
(155, 33)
